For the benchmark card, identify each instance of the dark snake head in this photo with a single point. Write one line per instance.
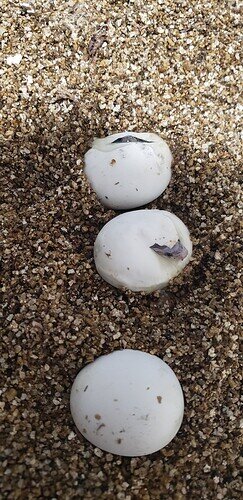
(129, 138)
(178, 251)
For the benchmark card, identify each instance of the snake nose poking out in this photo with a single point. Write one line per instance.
(129, 138)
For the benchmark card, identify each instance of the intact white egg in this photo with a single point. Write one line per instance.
(142, 250)
(128, 402)
(128, 170)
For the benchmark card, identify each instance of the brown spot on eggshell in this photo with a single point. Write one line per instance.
(97, 416)
(100, 427)
(119, 440)
(159, 398)
(113, 162)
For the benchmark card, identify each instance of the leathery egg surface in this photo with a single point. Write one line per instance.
(142, 250)
(128, 170)
(128, 402)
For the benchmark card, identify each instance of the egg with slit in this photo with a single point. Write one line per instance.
(142, 250)
(129, 169)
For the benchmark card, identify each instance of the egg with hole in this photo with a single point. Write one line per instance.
(128, 403)
(129, 169)
(142, 250)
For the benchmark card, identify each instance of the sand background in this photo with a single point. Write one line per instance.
(172, 67)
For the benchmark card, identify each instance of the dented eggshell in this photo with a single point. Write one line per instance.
(142, 250)
(129, 169)
(128, 402)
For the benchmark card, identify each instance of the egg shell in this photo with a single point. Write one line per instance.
(122, 252)
(128, 175)
(128, 402)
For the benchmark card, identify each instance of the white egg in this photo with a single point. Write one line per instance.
(142, 250)
(128, 402)
(128, 170)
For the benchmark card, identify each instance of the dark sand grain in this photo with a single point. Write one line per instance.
(88, 69)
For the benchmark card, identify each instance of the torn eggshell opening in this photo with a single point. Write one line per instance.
(178, 251)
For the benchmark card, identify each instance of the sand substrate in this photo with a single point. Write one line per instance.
(71, 71)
